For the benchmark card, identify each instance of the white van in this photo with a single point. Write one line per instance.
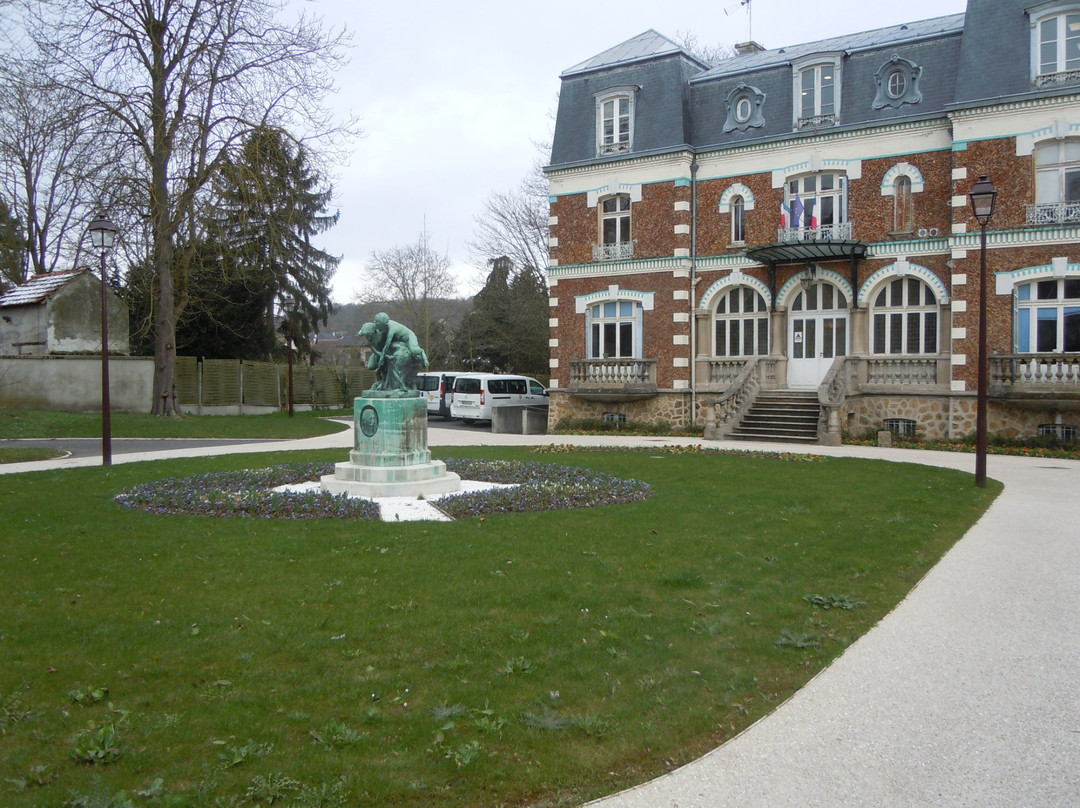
(476, 394)
(437, 389)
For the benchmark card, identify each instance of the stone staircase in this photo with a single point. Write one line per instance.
(781, 415)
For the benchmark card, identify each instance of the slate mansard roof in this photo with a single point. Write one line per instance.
(680, 103)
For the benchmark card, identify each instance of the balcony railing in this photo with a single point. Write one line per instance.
(722, 373)
(826, 232)
(1056, 79)
(1053, 213)
(817, 121)
(1035, 373)
(612, 373)
(902, 371)
(613, 252)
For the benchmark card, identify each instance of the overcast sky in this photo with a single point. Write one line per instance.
(453, 96)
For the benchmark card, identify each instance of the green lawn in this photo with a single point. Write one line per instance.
(538, 659)
(49, 424)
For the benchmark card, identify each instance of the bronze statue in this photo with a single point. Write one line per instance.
(396, 356)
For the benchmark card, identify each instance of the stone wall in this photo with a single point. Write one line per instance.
(950, 417)
(670, 408)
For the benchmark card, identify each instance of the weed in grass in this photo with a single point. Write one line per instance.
(798, 639)
(270, 789)
(13, 712)
(517, 666)
(98, 745)
(35, 777)
(488, 722)
(88, 695)
(336, 734)
(845, 602)
(237, 755)
(334, 794)
(443, 712)
(464, 754)
(99, 797)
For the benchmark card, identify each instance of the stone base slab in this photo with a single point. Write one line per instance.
(370, 482)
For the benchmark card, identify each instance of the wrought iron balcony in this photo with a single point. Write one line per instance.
(613, 252)
(840, 231)
(1053, 213)
(1056, 79)
(817, 121)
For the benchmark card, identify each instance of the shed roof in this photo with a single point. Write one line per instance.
(39, 288)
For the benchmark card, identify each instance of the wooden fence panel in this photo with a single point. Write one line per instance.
(261, 387)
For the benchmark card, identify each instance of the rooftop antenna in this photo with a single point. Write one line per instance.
(749, 16)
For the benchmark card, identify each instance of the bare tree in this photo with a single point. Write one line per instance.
(411, 280)
(177, 82)
(514, 224)
(711, 54)
(50, 165)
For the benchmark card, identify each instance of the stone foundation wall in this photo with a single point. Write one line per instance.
(940, 417)
(949, 417)
(666, 407)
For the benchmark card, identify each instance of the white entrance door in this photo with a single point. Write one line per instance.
(817, 334)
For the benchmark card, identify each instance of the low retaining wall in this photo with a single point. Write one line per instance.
(73, 383)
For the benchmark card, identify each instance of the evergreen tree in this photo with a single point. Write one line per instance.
(12, 247)
(507, 331)
(224, 318)
(270, 204)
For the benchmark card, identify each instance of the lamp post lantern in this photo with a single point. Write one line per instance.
(983, 198)
(102, 236)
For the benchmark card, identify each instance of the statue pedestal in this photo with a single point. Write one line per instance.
(390, 457)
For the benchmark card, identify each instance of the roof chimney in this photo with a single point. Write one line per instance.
(746, 48)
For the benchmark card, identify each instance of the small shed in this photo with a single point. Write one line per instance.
(60, 313)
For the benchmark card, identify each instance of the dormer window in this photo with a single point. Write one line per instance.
(615, 121)
(817, 93)
(1056, 47)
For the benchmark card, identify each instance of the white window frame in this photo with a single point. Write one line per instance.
(1056, 163)
(1035, 306)
(805, 229)
(734, 323)
(820, 115)
(619, 243)
(620, 140)
(905, 318)
(619, 320)
(1060, 67)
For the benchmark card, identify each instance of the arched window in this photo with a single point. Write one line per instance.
(905, 318)
(903, 206)
(1048, 316)
(738, 220)
(742, 323)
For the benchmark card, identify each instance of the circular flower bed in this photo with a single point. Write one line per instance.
(536, 487)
